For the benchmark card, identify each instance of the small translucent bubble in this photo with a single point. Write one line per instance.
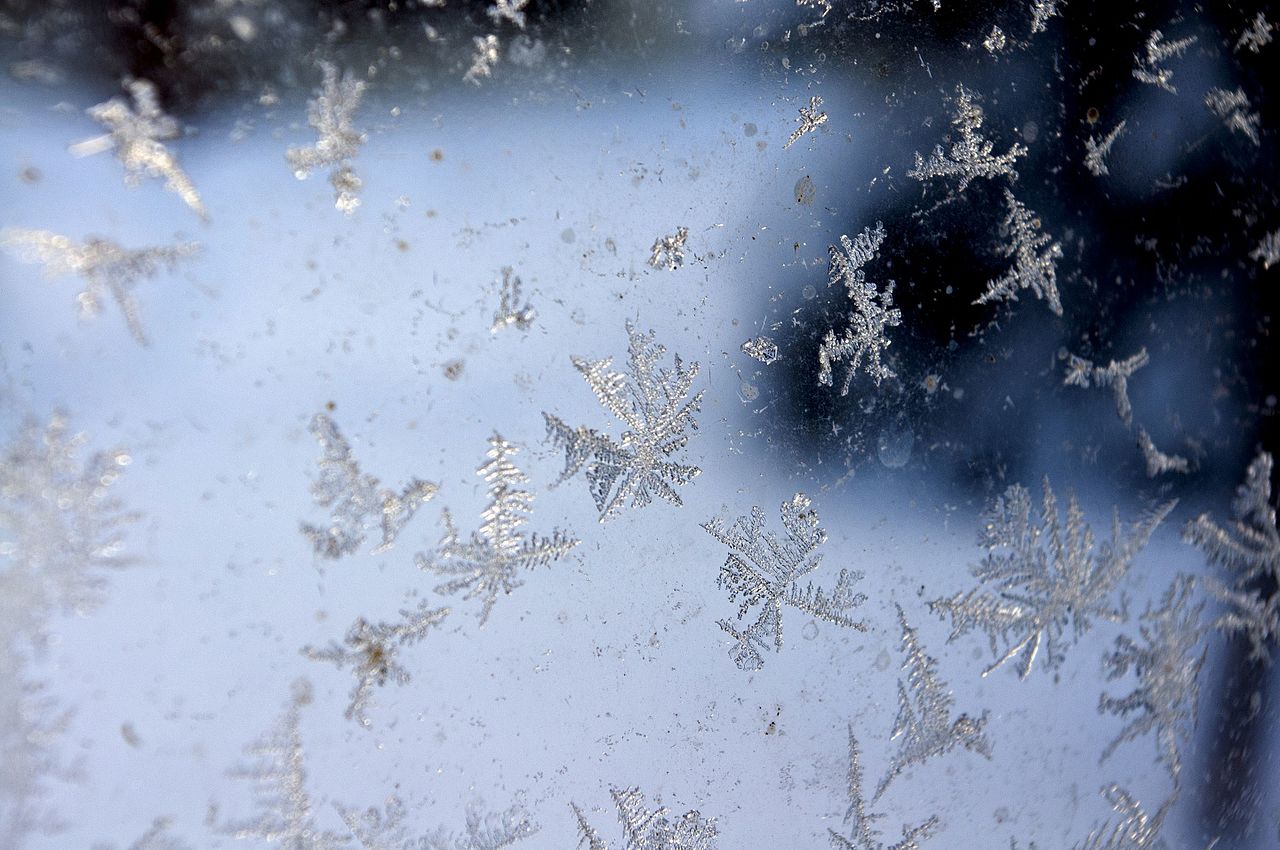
(809, 293)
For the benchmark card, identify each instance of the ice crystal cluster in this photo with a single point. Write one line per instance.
(1167, 667)
(924, 722)
(1041, 12)
(862, 835)
(648, 829)
(106, 268)
(1042, 583)
(1035, 259)
(765, 572)
(970, 155)
(808, 121)
(1134, 829)
(866, 337)
(354, 500)
(370, 650)
(1096, 150)
(384, 829)
(652, 402)
(157, 837)
(331, 113)
(488, 563)
(1082, 373)
(1233, 108)
(484, 56)
(668, 251)
(138, 134)
(1157, 461)
(761, 348)
(513, 309)
(1150, 69)
(1257, 35)
(1268, 250)
(1249, 549)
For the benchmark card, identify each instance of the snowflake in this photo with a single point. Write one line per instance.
(1116, 374)
(1096, 151)
(354, 499)
(1168, 672)
(370, 650)
(1135, 830)
(1157, 461)
(1268, 250)
(810, 119)
(331, 112)
(668, 251)
(155, 838)
(137, 133)
(484, 57)
(1157, 50)
(1250, 550)
(866, 333)
(970, 156)
(650, 401)
(1035, 259)
(283, 805)
(645, 829)
(1045, 579)
(384, 829)
(863, 836)
(924, 714)
(512, 310)
(995, 40)
(486, 565)
(761, 348)
(766, 571)
(105, 267)
(508, 10)
(1233, 108)
(1257, 36)
(1041, 12)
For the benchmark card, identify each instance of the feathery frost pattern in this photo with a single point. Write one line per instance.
(1168, 672)
(651, 402)
(105, 267)
(1157, 461)
(866, 334)
(649, 829)
(1133, 830)
(513, 309)
(353, 498)
(1249, 549)
(1040, 578)
(668, 251)
(809, 120)
(155, 838)
(384, 829)
(1268, 250)
(138, 134)
(486, 565)
(1035, 259)
(924, 714)
(970, 156)
(370, 650)
(331, 112)
(1149, 68)
(862, 836)
(1096, 150)
(766, 572)
(1116, 374)
(1233, 108)
(1256, 36)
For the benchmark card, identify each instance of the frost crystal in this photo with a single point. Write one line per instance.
(924, 714)
(284, 808)
(1149, 70)
(1045, 580)
(1157, 461)
(508, 10)
(766, 571)
(138, 135)
(1116, 374)
(1135, 830)
(1096, 151)
(486, 565)
(650, 401)
(331, 112)
(866, 333)
(353, 498)
(1257, 36)
(484, 57)
(1041, 12)
(995, 40)
(1250, 550)
(970, 156)
(1233, 108)
(810, 119)
(105, 267)
(513, 310)
(375, 829)
(1168, 672)
(761, 348)
(370, 650)
(862, 836)
(645, 829)
(1268, 250)
(156, 838)
(1035, 259)
(668, 251)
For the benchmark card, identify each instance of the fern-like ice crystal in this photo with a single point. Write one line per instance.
(862, 836)
(384, 829)
(1150, 68)
(1268, 250)
(1096, 150)
(1257, 35)
(765, 573)
(1233, 108)
(1116, 374)
(652, 402)
(970, 155)
(331, 113)
(649, 829)
(668, 251)
(809, 120)
(1157, 461)
(865, 339)
(1035, 259)
(1043, 584)
(513, 309)
(1134, 829)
